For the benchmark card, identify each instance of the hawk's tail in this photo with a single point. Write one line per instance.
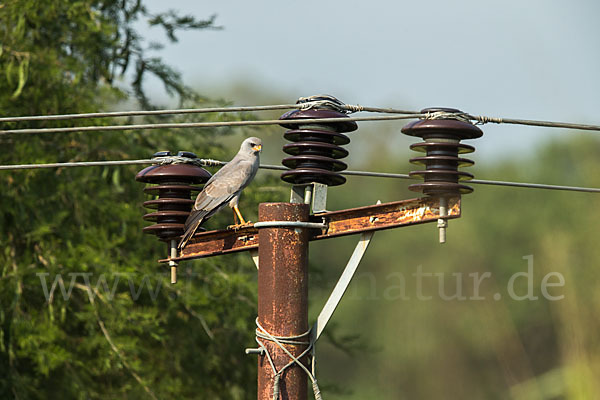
(194, 220)
(187, 236)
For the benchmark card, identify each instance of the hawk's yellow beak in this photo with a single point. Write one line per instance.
(258, 147)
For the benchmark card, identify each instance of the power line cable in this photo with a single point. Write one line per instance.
(530, 122)
(140, 113)
(74, 164)
(536, 186)
(303, 105)
(210, 162)
(104, 128)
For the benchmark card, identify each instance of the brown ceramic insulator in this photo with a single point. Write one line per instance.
(442, 147)
(173, 186)
(316, 148)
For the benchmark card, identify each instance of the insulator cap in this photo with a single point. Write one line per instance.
(188, 173)
(440, 128)
(317, 149)
(442, 147)
(174, 185)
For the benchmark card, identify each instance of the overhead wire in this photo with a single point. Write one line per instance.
(104, 128)
(530, 122)
(74, 164)
(401, 114)
(140, 113)
(304, 103)
(211, 162)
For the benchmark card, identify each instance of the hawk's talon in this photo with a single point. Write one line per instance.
(237, 227)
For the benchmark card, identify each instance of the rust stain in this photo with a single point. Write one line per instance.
(218, 242)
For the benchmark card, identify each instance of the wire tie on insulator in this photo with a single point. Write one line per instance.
(166, 160)
(322, 101)
(207, 162)
(200, 162)
(352, 108)
(463, 117)
(481, 119)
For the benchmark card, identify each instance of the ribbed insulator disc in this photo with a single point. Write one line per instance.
(441, 175)
(165, 231)
(169, 204)
(440, 188)
(312, 135)
(315, 148)
(442, 148)
(435, 161)
(310, 161)
(165, 189)
(167, 216)
(308, 175)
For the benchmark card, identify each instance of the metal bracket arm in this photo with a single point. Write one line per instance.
(341, 285)
(331, 224)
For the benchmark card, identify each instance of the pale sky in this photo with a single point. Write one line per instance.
(511, 58)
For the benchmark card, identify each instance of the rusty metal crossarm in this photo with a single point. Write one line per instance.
(214, 243)
(339, 223)
(385, 216)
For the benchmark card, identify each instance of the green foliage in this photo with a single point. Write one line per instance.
(71, 54)
(483, 348)
(87, 313)
(85, 310)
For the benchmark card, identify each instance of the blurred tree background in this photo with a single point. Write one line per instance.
(187, 341)
(486, 348)
(173, 341)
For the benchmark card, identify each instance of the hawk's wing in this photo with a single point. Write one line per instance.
(221, 188)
